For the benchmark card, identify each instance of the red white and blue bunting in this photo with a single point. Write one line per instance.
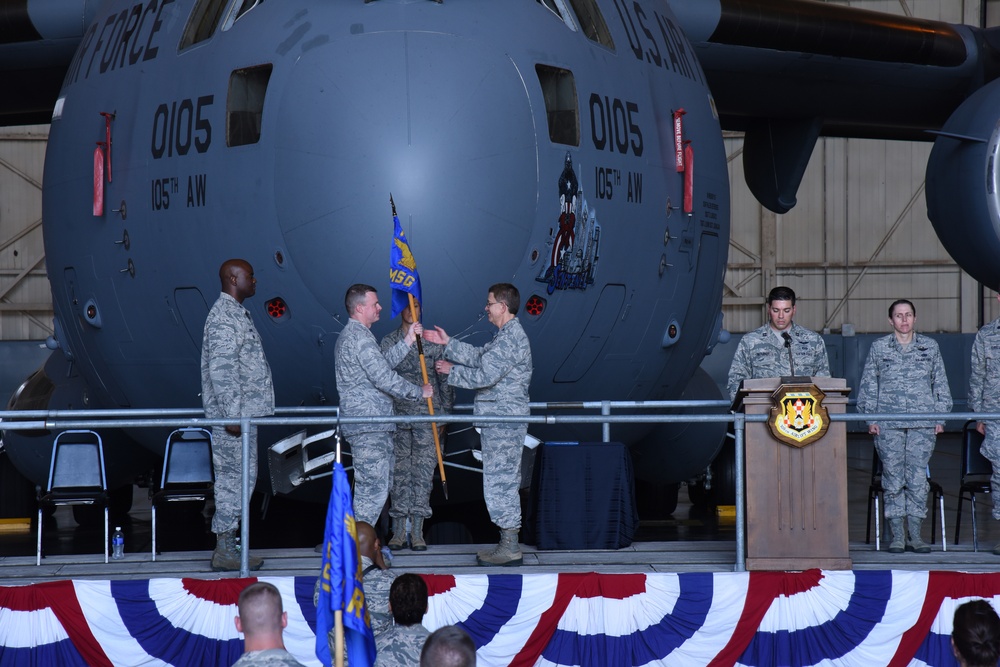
(752, 619)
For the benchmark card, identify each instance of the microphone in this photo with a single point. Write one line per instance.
(788, 346)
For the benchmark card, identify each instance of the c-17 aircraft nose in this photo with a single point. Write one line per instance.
(432, 119)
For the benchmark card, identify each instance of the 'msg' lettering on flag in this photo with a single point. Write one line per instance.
(340, 587)
(402, 268)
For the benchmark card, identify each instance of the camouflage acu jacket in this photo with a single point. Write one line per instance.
(499, 371)
(908, 378)
(365, 379)
(235, 377)
(409, 368)
(984, 374)
(761, 354)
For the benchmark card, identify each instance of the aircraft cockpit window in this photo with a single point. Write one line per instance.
(245, 104)
(202, 22)
(551, 5)
(592, 22)
(559, 8)
(236, 12)
(561, 109)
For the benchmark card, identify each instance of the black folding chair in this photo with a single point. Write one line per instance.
(76, 477)
(188, 474)
(874, 498)
(976, 473)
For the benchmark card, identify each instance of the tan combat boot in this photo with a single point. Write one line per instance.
(507, 553)
(226, 557)
(898, 536)
(417, 542)
(398, 540)
(915, 542)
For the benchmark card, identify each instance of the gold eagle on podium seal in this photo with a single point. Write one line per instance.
(798, 417)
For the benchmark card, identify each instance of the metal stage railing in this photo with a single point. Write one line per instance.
(27, 420)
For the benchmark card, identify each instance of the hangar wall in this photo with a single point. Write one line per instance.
(25, 300)
(859, 237)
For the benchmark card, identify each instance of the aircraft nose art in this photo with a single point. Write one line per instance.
(442, 124)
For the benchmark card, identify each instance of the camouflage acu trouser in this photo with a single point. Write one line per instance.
(905, 453)
(991, 450)
(227, 457)
(372, 457)
(413, 472)
(502, 473)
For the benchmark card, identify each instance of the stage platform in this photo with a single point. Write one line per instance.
(672, 596)
(703, 556)
(692, 539)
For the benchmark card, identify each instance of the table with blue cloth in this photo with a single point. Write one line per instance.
(585, 496)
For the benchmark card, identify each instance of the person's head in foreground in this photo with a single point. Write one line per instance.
(450, 646)
(261, 618)
(408, 599)
(975, 636)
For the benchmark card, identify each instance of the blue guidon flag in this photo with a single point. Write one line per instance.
(340, 587)
(402, 268)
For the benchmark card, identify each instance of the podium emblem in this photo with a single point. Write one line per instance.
(798, 417)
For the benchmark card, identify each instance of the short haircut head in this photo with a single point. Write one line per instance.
(450, 646)
(356, 294)
(901, 302)
(781, 294)
(408, 599)
(976, 633)
(231, 266)
(260, 609)
(508, 294)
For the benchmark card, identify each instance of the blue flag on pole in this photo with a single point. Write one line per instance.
(402, 269)
(340, 581)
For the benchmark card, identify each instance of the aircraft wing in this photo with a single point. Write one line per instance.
(786, 72)
(37, 41)
(861, 73)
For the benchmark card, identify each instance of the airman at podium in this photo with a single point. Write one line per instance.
(795, 463)
(780, 348)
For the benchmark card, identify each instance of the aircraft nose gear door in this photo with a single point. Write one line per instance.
(595, 335)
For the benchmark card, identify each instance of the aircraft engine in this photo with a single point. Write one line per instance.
(962, 185)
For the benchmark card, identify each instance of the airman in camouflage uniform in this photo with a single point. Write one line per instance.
(262, 621)
(413, 444)
(763, 353)
(401, 644)
(235, 382)
(984, 396)
(500, 372)
(904, 373)
(376, 579)
(272, 657)
(367, 384)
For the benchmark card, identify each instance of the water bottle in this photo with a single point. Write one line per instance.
(118, 544)
(387, 556)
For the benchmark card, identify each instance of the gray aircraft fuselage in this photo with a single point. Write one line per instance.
(279, 139)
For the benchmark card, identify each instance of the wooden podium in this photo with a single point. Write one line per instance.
(796, 494)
